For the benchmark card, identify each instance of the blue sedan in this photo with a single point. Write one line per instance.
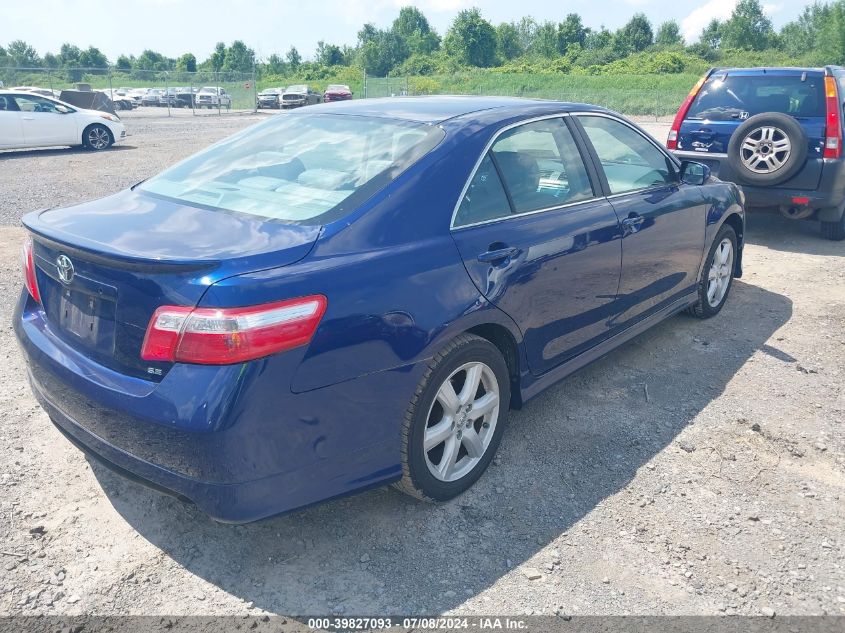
(355, 295)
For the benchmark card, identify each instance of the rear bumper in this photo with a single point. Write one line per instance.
(226, 438)
(826, 197)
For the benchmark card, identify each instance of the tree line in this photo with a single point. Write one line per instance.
(411, 46)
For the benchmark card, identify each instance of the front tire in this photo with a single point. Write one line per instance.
(97, 137)
(455, 420)
(717, 275)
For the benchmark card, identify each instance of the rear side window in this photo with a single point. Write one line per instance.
(734, 97)
(485, 198)
(629, 160)
(541, 167)
(530, 167)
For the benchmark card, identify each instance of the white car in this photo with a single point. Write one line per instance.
(32, 120)
(212, 97)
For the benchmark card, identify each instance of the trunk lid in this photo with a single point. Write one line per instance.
(105, 266)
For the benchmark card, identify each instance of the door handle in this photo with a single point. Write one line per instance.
(632, 224)
(499, 254)
(28, 118)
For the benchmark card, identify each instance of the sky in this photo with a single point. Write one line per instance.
(173, 27)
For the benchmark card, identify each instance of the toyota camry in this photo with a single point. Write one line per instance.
(355, 295)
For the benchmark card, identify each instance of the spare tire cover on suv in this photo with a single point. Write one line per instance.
(767, 149)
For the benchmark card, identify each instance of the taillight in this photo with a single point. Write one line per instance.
(672, 140)
(222, 336)
(28, 263)
(833, 133)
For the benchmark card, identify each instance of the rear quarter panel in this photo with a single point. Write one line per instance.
(396, 285)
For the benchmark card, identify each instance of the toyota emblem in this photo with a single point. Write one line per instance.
(65, 269)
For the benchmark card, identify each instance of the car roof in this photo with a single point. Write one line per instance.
(436, 109)
(764, 70)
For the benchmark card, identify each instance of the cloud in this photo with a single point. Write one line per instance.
(694, 23)
(770, 8)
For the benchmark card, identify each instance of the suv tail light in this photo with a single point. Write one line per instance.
(223, 336)
(672, 140)
(833, 133)
(28, 263)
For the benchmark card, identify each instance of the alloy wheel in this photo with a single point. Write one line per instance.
(98, 138)
(461, 421)
(765, 150)
(719, 276)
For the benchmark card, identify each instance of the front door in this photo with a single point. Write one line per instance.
(540, 243)
(663, 219)
(44, 124)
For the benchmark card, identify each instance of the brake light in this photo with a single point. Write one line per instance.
(672, 140)
(28, 263)
(833, 133)
(223, 336)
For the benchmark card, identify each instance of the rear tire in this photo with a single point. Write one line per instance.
(453, 427)
(714, 284)
(834, 231)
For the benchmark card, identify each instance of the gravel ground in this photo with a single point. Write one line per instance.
(699, 469)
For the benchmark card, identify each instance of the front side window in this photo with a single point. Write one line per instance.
(629, 160)
(29, 103)
(305, 169)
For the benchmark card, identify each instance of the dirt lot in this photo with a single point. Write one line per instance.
(700, 469)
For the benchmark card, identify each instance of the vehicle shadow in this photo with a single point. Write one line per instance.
(7, 154)
(566, 451)
(778, 233)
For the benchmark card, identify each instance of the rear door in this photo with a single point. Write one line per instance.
(43, 124)
(663, 220)
(540, 242)
(11, 132)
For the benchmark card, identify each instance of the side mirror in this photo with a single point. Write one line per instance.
(62, 109)
(693, 173)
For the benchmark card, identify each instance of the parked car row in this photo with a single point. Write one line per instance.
(300, 95)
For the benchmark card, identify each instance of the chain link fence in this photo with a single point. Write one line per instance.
(209, 92)
(202, 92)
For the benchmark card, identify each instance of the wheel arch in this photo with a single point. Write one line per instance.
(505, 342)
(734, 219)
(93, 124)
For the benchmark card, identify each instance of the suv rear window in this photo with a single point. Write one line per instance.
(724, 98)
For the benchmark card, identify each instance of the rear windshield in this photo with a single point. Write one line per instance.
(723, 98)
(307, 169)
